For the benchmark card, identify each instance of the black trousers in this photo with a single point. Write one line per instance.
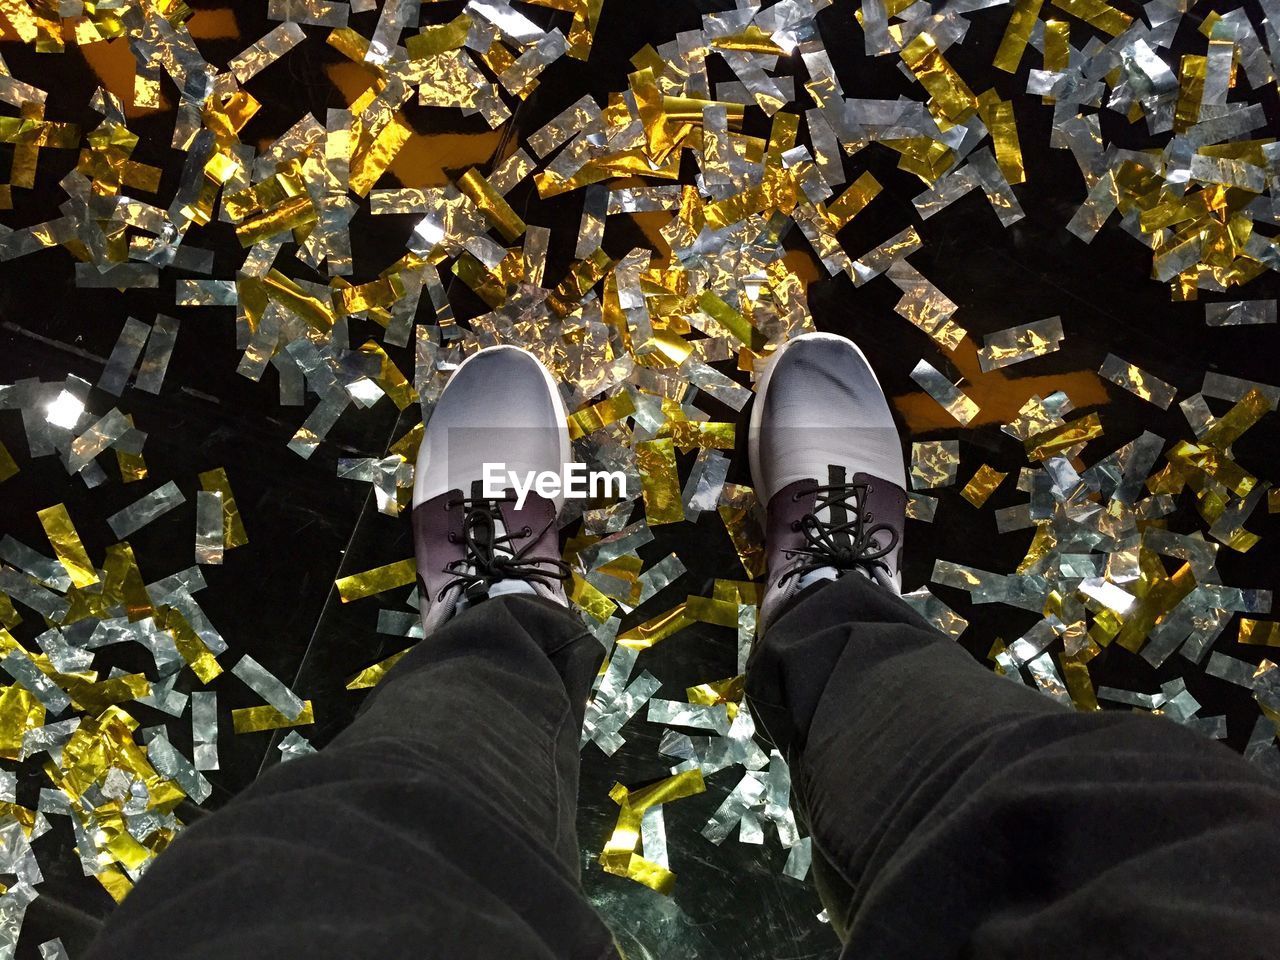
(953, 813)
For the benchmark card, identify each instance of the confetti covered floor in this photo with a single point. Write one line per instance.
(774, 166)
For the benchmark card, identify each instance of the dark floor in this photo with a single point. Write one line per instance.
(274, 598)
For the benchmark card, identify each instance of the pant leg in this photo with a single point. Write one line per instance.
(439, 824)
(957, 814)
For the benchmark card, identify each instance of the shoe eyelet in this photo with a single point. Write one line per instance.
(870, 518)
(450, 504)
(453, 538)
(795, 525)
(526, 532)
(870, 488)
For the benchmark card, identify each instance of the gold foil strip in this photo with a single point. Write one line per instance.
(722, 613)
(389, 377)
(233, 531)
(431, 41)
(740, 512)
(925, 305)
(730, 319)
(1048, 443)
(199, 657)
(599, 415)
(1230, 427)
(67, 546)
(256, 719)
(1214, 464)
(372, 675)
(853, 201)
(934, 463)
(586, 597)
(1016, 35)
(1097, 13)
(998, 116)
(1259, 632)
(124, 584)
(8, 466)
(370, 163)
(379, 579)
(660, 483)
(982, 485)
(952, 99)
(492, 204)
(655, 630)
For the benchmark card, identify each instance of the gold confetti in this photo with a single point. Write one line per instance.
(655, 630)
(1097, 13)
(255, 719)
(372, 675)
(389, 377)
(492, 204)
(853, 201)
(660, 483)
(982, 485)
(1048, 443)
(1016, 35)
(67, 546)
(233, 531)
(952, 99)
(587, 597)
(998, 115)
(1259, 632)
(379, 579)
(7, 465)
(599, 415)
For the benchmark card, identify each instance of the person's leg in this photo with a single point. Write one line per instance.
(439, 824)
(955, 813)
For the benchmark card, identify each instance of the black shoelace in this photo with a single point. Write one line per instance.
(483, 563)
(847, 541)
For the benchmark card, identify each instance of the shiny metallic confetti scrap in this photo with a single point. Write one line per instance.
(140, 513)
(1259, 632)
(1016, 344)
(262, 682)
(293, 746)
(1240, 313)
(204, 729)
(936, 612)
(265, 51)
(982, 484)
(233, 531)
(1137, 381)
(123, 356)
(8, 466)
(209, 544)
(950, 397)
(155, 363)
(359, 585)
(934, 463)
(67, 547)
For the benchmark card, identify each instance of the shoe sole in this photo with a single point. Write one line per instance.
(757, 409)
(562, 417)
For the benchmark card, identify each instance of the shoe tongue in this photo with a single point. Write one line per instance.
(831, 510)
(502, 548)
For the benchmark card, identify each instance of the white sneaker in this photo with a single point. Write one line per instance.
(501, 408)
(826, 461)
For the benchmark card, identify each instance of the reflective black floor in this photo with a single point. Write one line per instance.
(274, 598)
